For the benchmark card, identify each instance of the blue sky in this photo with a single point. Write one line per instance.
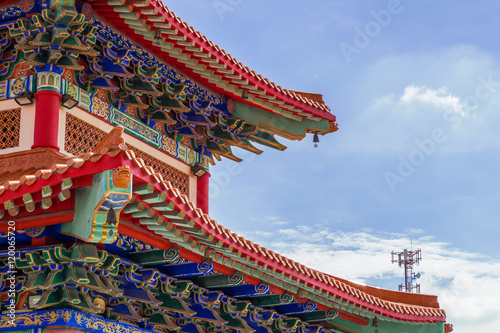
(416, 95)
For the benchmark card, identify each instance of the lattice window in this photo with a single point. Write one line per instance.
(10, 124)
(81, 137)
(178, 179)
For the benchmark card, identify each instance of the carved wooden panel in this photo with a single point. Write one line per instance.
(81, 137)
(178, 179)
(10, 124)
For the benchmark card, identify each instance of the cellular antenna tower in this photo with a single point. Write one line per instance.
(407, 259)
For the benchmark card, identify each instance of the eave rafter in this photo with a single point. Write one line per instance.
(122, 287)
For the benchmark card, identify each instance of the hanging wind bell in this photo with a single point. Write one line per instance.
(111, 216)
(157, 37)
(315, 140)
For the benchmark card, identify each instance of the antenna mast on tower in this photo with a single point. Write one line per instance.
(408, 258)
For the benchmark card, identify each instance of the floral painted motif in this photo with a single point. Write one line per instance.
(100, 106)
(17, 86)
(35, 232)
(131, 244)
(68, 318)
(169, 145)
(87, 11)
(27, 5)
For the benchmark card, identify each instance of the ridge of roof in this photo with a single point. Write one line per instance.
(312, 96)
(401, 306)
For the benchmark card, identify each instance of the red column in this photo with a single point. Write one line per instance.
(202, 193)
(46, 119)
(36, 242)
(61, 330)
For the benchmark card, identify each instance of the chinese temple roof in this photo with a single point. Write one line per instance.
(143, 60)
(155, 26)
(164, 218)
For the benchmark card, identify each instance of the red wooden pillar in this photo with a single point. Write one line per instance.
(202, 192)
(61, 330)
(36, 242)
(46, 119)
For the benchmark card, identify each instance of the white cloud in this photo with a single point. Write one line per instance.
(274, 220)
(404, 98)
(440, 98)
(467, 284)
(262, 233)
(391, 124)
(281, 223)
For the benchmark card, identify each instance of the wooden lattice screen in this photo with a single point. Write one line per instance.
(177, 178)
(81, 137)
(10, 124)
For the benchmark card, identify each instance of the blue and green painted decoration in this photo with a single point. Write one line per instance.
(98, 207)
(112, 77)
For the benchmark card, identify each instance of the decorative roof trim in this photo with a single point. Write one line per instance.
(66, 318)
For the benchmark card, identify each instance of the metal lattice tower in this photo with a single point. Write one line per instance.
(408, 258)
